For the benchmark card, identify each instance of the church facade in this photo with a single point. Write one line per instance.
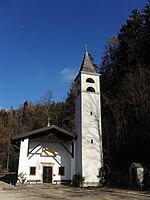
(46, 155)
(52, 154)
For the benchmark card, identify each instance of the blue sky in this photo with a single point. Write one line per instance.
(42, 43)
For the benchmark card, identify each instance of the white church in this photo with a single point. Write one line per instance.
(54, 155)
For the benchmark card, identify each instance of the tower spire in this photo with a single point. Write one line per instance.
(87, 65)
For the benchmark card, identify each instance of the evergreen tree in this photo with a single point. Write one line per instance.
(125, 97)
(146, 33)
(129, 53)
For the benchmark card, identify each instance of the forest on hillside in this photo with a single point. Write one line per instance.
(125, 87)
(125, 95)
(30, 116)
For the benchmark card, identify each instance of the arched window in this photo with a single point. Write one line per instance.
(90, 80)
(90, 89)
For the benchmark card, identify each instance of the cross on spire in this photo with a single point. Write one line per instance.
(86, 47)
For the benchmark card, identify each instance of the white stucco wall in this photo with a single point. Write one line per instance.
(78, 127)
(91, 131)
(73, 162)
(88, 128)
(23, 157)
(63, 158)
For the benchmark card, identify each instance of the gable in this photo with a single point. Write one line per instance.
(52, 133)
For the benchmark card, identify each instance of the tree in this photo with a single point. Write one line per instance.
(123, 53)
(129, 53)
(125, 92)
(107, 65)
(67, 114)
(146, 35)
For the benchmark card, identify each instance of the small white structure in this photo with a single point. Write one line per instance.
(88, 129)
(136, 175)
(46, 155)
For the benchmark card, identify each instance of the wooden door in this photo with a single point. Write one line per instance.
(47, 174)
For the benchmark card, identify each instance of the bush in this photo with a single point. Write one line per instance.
(78, 180)
(104, 173)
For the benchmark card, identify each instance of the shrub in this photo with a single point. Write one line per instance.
(104, 173)
(78, 180)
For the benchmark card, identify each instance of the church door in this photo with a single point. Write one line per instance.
(47, 174)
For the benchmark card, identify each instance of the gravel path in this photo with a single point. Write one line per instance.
(68, 193)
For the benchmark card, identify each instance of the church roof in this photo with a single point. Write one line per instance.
(60, 132)
(87, 65)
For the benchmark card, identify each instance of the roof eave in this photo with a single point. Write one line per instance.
(37, 131)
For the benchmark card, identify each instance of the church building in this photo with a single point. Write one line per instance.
(54, 155)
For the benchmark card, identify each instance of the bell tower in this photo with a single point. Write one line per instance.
(88, 130)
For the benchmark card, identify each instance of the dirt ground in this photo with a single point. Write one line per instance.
(44, 192)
